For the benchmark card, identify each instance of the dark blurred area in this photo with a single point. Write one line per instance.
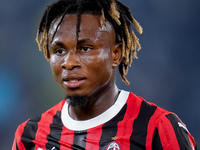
(167, 72)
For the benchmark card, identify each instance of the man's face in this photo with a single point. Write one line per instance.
(88, 66)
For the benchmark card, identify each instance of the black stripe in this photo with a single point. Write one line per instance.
(29, 133)
(156, 144)
(138, 136)
(79, 141)
(17, 147)
(109, 129)
(181, 133)
(55, 132)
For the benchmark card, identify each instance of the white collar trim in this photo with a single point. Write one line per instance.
(96, 121)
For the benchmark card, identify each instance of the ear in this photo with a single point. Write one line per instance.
(116, 55)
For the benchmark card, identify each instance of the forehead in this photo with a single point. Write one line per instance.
(89, 26)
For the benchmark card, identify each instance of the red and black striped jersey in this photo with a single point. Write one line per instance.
(130, 124)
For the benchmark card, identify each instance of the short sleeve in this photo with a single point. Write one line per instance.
(171, 133)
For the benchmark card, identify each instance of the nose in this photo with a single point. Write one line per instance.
(71, 61)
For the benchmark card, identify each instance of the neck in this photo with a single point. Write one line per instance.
(99, 101)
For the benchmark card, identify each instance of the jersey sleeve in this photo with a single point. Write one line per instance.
(171, 133)
(17, 144)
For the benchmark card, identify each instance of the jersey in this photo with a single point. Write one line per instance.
(131, 123)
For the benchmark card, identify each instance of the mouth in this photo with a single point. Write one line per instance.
(73, 82)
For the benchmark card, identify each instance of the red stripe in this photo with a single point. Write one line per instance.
(14, 145)
(125, 127)
(42, 132)
(167, 134)
(18, 135)
(192, 142)
(44, 126)
(66, 139)
(93, 137)
(152, 125)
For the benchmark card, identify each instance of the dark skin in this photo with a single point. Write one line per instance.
(88, 67)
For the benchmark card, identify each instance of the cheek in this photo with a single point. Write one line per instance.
(105, 60)
(100, 65)
(55, 67)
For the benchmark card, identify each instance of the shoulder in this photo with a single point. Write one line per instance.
(158, 114)
(168, 131)
(30, 126)
(173, 133)
(45, 115)
(146, 108)
(164, 128)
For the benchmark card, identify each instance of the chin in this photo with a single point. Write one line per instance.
(80, 101)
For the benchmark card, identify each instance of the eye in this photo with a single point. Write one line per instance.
(86, 48)
(60, 51)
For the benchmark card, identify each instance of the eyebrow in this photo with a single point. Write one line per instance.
(58, 43)
(83, 41)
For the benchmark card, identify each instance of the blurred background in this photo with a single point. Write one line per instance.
(167, 72)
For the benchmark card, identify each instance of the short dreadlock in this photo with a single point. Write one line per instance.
(113, 11)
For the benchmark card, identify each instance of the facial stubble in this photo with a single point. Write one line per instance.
(80, 101)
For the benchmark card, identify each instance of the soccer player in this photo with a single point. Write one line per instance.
(85, 42)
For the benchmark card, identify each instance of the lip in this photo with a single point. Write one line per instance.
(73, 81)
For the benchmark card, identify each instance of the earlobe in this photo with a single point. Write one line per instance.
(117, 55)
